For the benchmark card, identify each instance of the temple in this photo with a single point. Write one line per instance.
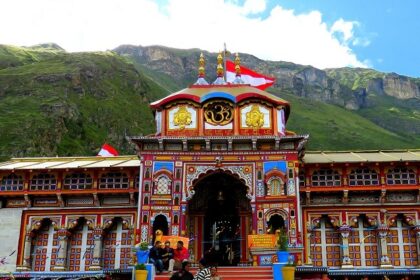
(222, 167)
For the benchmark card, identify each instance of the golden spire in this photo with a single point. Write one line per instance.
(237, 65)
(201, 63)
(220, 65)
(201, 71)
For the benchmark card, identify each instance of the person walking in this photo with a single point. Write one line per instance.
(203, 272)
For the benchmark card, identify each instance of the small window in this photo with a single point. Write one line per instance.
(77, 181)
(176, 201)
(114, 180)
(146, 200)
(302, 179)
(162, 185)
(325, 177)
(401, 176)
(176, 219)
(146, 187)
(43, 182)
(11, 182)
(363, 177)
(177, 187)
(144, 219)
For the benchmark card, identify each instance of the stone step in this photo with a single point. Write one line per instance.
(235, 273)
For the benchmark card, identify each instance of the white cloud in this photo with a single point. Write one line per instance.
(344, 27)
(254, 6)
(80, 25)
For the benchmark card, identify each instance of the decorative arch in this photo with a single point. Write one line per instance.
(197, 173)
(162, 180)
(276, 182)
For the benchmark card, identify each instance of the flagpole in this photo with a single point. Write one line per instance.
(224, 61)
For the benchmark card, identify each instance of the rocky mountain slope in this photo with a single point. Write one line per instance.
(390, 101)
(58, 103)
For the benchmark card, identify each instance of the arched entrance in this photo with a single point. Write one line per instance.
(219, 218)
(160, 223)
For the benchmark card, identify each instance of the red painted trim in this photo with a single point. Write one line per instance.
(173, 97)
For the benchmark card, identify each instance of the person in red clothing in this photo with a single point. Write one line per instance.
(180, 254)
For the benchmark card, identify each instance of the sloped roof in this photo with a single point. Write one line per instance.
(69, 162)
(234, 93)
(361, 156)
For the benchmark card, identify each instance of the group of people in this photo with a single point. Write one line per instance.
(170, 259)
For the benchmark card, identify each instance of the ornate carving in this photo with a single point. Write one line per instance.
(243, 171)
(255, 118)
(182, 117)
(218, 112)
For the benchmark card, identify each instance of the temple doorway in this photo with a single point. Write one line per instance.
(220, 219)
(160, 223)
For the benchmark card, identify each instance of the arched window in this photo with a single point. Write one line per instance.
(162, 185)
(11, 182)
(325, 245)
(401, 176)
(146, 200)
(117, 245)
(146, 186)
(114, 180)
(77, 181)
(402, 244)
(275, 186)
(363, 177)
(326, 177)
(177, 187)
(176, 219)
(176, 201)
(302, 182)
(363, 243)
(43, 182)
(45, 247)
(81, 246)
(136, 181)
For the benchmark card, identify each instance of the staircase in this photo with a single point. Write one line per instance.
(235, 273)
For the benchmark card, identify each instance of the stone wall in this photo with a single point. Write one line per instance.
(10, 220)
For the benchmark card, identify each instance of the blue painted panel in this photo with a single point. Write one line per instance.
(218, 94)
(168, 165)
(280, 165)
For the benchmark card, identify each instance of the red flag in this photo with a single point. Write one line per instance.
(107, 151)
(248, 76)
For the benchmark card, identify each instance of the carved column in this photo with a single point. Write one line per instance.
(63, 236)
(96, 263)
(308, 244)
(382, 234)
(26, 265)
(345, 232)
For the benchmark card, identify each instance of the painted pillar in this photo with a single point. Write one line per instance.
(382, 234)
(26, 265)
(346, 260)
(308, 244)
(60, 263)
(97, 249)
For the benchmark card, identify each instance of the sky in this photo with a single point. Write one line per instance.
(379, 34)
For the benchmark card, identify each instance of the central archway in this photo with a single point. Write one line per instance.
(220, 218)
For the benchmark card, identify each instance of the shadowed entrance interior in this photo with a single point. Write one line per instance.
(219, 215)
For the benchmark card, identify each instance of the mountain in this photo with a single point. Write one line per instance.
(58, 103)
(386, 102)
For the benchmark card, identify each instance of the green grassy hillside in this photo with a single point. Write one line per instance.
(56, 103)
(333, 128)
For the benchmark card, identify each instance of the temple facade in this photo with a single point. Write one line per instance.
(221, 166)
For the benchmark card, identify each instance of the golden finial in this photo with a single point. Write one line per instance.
(201, 63)
(220, 65)
(237, 65)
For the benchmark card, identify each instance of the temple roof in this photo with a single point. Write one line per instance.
(361, 156)
(69, 162)
(234, 93)
(311, 157)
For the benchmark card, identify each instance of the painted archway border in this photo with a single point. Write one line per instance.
(245, 172)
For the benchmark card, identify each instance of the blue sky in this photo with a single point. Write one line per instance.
(391, 29)
(383, 35)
